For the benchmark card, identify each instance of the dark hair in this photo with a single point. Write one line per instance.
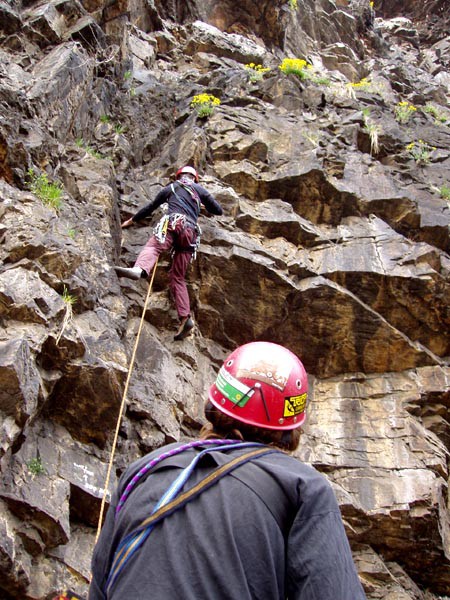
(222, 426)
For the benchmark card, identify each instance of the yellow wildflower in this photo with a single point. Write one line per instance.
(295, 66)
(205, 99)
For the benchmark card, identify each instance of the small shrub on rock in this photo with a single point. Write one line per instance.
(420, 151)
(49, 192)
(404, 111)
(295, 66)
(204, 104)
(256, 72)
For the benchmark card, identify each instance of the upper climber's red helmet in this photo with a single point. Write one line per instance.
(262, 384)
(189, 170)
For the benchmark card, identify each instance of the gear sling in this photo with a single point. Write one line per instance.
(173, 500)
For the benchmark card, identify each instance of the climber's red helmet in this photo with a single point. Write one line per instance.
(262, 384)
(189, 171)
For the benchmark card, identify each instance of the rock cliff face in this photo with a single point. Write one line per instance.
(334, 242)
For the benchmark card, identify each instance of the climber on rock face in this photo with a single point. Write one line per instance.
(178, 232)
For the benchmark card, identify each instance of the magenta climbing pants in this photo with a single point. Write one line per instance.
(180, 262)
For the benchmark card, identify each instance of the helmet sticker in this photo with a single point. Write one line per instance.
(233, 389)
(257, 365)
(294, 405)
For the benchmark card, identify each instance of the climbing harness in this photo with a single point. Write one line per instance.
(177, 222)
(122, 405)
(172, 499)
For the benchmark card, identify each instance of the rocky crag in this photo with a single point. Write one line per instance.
(334, 242)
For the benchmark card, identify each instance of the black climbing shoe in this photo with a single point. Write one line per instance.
(185, 327)
(130, 272)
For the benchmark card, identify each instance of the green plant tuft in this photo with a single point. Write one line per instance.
(67, 297)
(320, 80)
(48, 192)
(69, 301)
(35, 466)
(445, 192)
(91, 151)
(436, 112)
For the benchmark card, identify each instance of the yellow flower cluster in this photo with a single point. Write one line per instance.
(364, 83)
(420, 143)
(294, 65)
(405, 105)
(403, 111)
(420, 151)
(202, 99)
(256, 72)
(257, 68)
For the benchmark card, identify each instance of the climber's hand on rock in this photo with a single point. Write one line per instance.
(127, 223)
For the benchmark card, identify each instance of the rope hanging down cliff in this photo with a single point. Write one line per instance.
(122, 405)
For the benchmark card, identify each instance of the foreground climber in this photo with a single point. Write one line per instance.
(178, 232)
(252, 522)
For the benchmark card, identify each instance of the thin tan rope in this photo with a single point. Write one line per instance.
(122, 406)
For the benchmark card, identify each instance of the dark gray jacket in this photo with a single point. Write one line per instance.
(180, 201)
(270, 530)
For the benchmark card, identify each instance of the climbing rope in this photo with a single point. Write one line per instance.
(122, 405)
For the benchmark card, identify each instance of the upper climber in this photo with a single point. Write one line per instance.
(177, 231)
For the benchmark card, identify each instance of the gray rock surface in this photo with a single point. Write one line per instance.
(334, 241)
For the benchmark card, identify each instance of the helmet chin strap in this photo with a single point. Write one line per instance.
(257, 386)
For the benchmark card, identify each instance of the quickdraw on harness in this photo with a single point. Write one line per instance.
(172, 499)
(160, 230)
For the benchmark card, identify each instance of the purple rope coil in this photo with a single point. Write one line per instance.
(163, 456)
